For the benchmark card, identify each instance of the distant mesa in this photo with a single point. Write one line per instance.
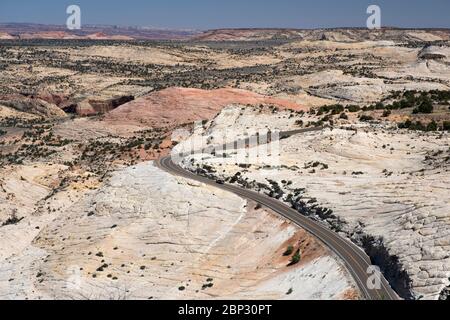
(27, 31)
(6, 36)
(9, 31)
(247, 34)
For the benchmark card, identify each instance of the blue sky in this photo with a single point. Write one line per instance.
(208, 14)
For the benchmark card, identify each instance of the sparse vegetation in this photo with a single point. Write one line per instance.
(419, 126)
(316, 164)
(425, 106)
(353, 108)
(85, 161)
(295, 258)
(446, 125)
(343, 116)
(12, 220)
(366, 118)
(289, 251)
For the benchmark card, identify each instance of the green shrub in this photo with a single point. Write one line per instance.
(295, 258)
(417, 126)
(387, 113)
(365, 118)
(368, 108)
(353, 108)
(446, 126)
(425, 107)
(334, 109)
(404, 104)
(394, 106)
(299, 123)
(380, 106)
(432, 126)
(405, 125)
(288, 251)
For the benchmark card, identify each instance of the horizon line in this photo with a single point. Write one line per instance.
(223, 28)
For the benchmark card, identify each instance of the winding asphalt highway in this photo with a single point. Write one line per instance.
(355, 259)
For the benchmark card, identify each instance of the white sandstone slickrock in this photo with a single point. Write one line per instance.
(391, 184)
(148, 235)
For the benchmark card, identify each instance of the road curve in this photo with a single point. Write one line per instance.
(355, 259)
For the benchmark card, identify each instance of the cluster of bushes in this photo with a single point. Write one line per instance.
(338, 109)
(315, 124)
(209, 284)
(334, 109)
(289, 251)
(446, 126)
(276, 191)
(12, 220)
(19, 123)
(295, 258)
(426, 106)
(422, 102)
(419, 126)
(299, 123)
(365, 118)
(441, 96)
(315, 164)
(48, 139)
(387, 113)
(32, 151)
(353, 108)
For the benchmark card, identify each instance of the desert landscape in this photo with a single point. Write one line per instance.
(85, 213)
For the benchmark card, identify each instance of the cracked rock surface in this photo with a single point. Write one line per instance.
(148, 235)
(381, 187)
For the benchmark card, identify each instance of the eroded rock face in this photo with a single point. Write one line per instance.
(54, 98)
(91, 107)
(146, 234)
(32, 105)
